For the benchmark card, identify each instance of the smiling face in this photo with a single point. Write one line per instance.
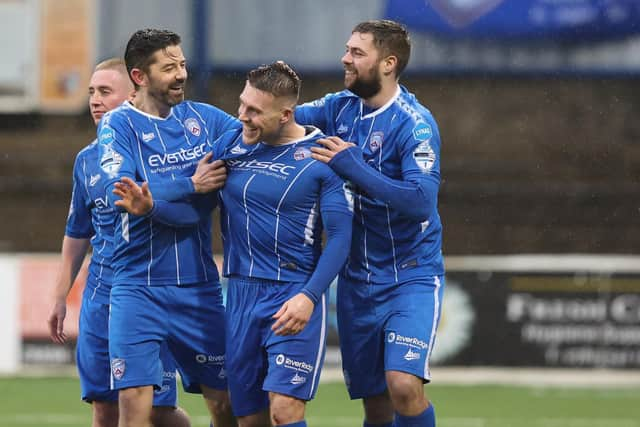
(166, 77)
(361, 62)
(261, 114)
(108, 88)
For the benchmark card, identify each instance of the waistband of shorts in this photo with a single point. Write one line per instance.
(258, 280)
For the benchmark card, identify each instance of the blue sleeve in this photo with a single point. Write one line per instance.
(334, 255)
(415, 196)
(316, 113)
(79, 224)
(172, 189)
(116, 157)
(336, 206)
(184, 213)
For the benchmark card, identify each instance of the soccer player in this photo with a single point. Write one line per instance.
(275, 203)
(166, 287)
(390, 291)
(90, 224)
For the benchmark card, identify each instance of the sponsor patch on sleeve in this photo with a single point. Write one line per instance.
(422, 132)
(110, 161)
(424, 156)
(107, 135)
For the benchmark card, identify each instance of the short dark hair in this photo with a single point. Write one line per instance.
(143, 44)
(278, 79)
(390, 38)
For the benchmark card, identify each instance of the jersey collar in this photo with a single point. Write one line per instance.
(381, 109)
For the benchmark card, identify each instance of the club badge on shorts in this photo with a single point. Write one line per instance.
(117, 368)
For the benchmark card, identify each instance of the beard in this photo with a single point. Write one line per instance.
(366, 86)
(165, 96)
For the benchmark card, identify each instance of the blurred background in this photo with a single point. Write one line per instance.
(537, 102)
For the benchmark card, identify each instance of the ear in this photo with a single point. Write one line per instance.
(286, 115)
(389, 65)
(139, 77)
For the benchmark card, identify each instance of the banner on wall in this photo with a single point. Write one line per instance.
(568, 20)
(553, 311)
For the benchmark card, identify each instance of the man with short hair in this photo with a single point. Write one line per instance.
(275, 204)
(90, 224)
(390, 292)
(166, 287)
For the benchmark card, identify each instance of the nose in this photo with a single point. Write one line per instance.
(182, 74)
(94, 99)
(242, 116)
(346, 58)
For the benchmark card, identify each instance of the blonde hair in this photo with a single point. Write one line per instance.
(112, 64)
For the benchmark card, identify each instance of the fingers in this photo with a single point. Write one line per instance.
(207, 157)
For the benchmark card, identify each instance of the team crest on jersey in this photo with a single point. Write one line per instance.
(117, 368)
(424, 156)
(375, 142)
(422, 132)
(193, 126)
(301, 153)
(110, 161)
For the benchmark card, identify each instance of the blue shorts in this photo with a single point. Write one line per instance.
(258, 361)
(386, 328)
(189, 319)
(92, 359)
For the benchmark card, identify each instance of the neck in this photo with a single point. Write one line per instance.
(290, 132)
(150, 105)
(387, 92)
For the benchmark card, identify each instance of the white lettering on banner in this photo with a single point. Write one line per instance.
(527, 307)
(182, 155)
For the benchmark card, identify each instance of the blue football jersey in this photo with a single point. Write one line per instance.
(153, 149)
(271, 207)
(90, 216)
(401, 141)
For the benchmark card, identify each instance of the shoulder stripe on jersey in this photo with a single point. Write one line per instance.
(293, 181)
(344, 108)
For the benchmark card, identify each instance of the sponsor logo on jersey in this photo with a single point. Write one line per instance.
(117, 368)
(298, 365)
(94, 180)
(298, 379)
(192, 126)
(424, 156)
(422, 132)
(375, 142)
(182, 155)
(342, 129)
(301, 153)
(277, 168)
(110, 161)
(146, 137)
(237, 149)
(411, 355)
(106, 136)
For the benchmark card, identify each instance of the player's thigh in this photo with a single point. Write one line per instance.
(167, 394)
(246, 361)
(361, 332)
(92, 352)
(137, 327)
(295, 361)
(410, 330)
(196, 335)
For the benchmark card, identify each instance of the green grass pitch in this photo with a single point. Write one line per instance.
(53, 401)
